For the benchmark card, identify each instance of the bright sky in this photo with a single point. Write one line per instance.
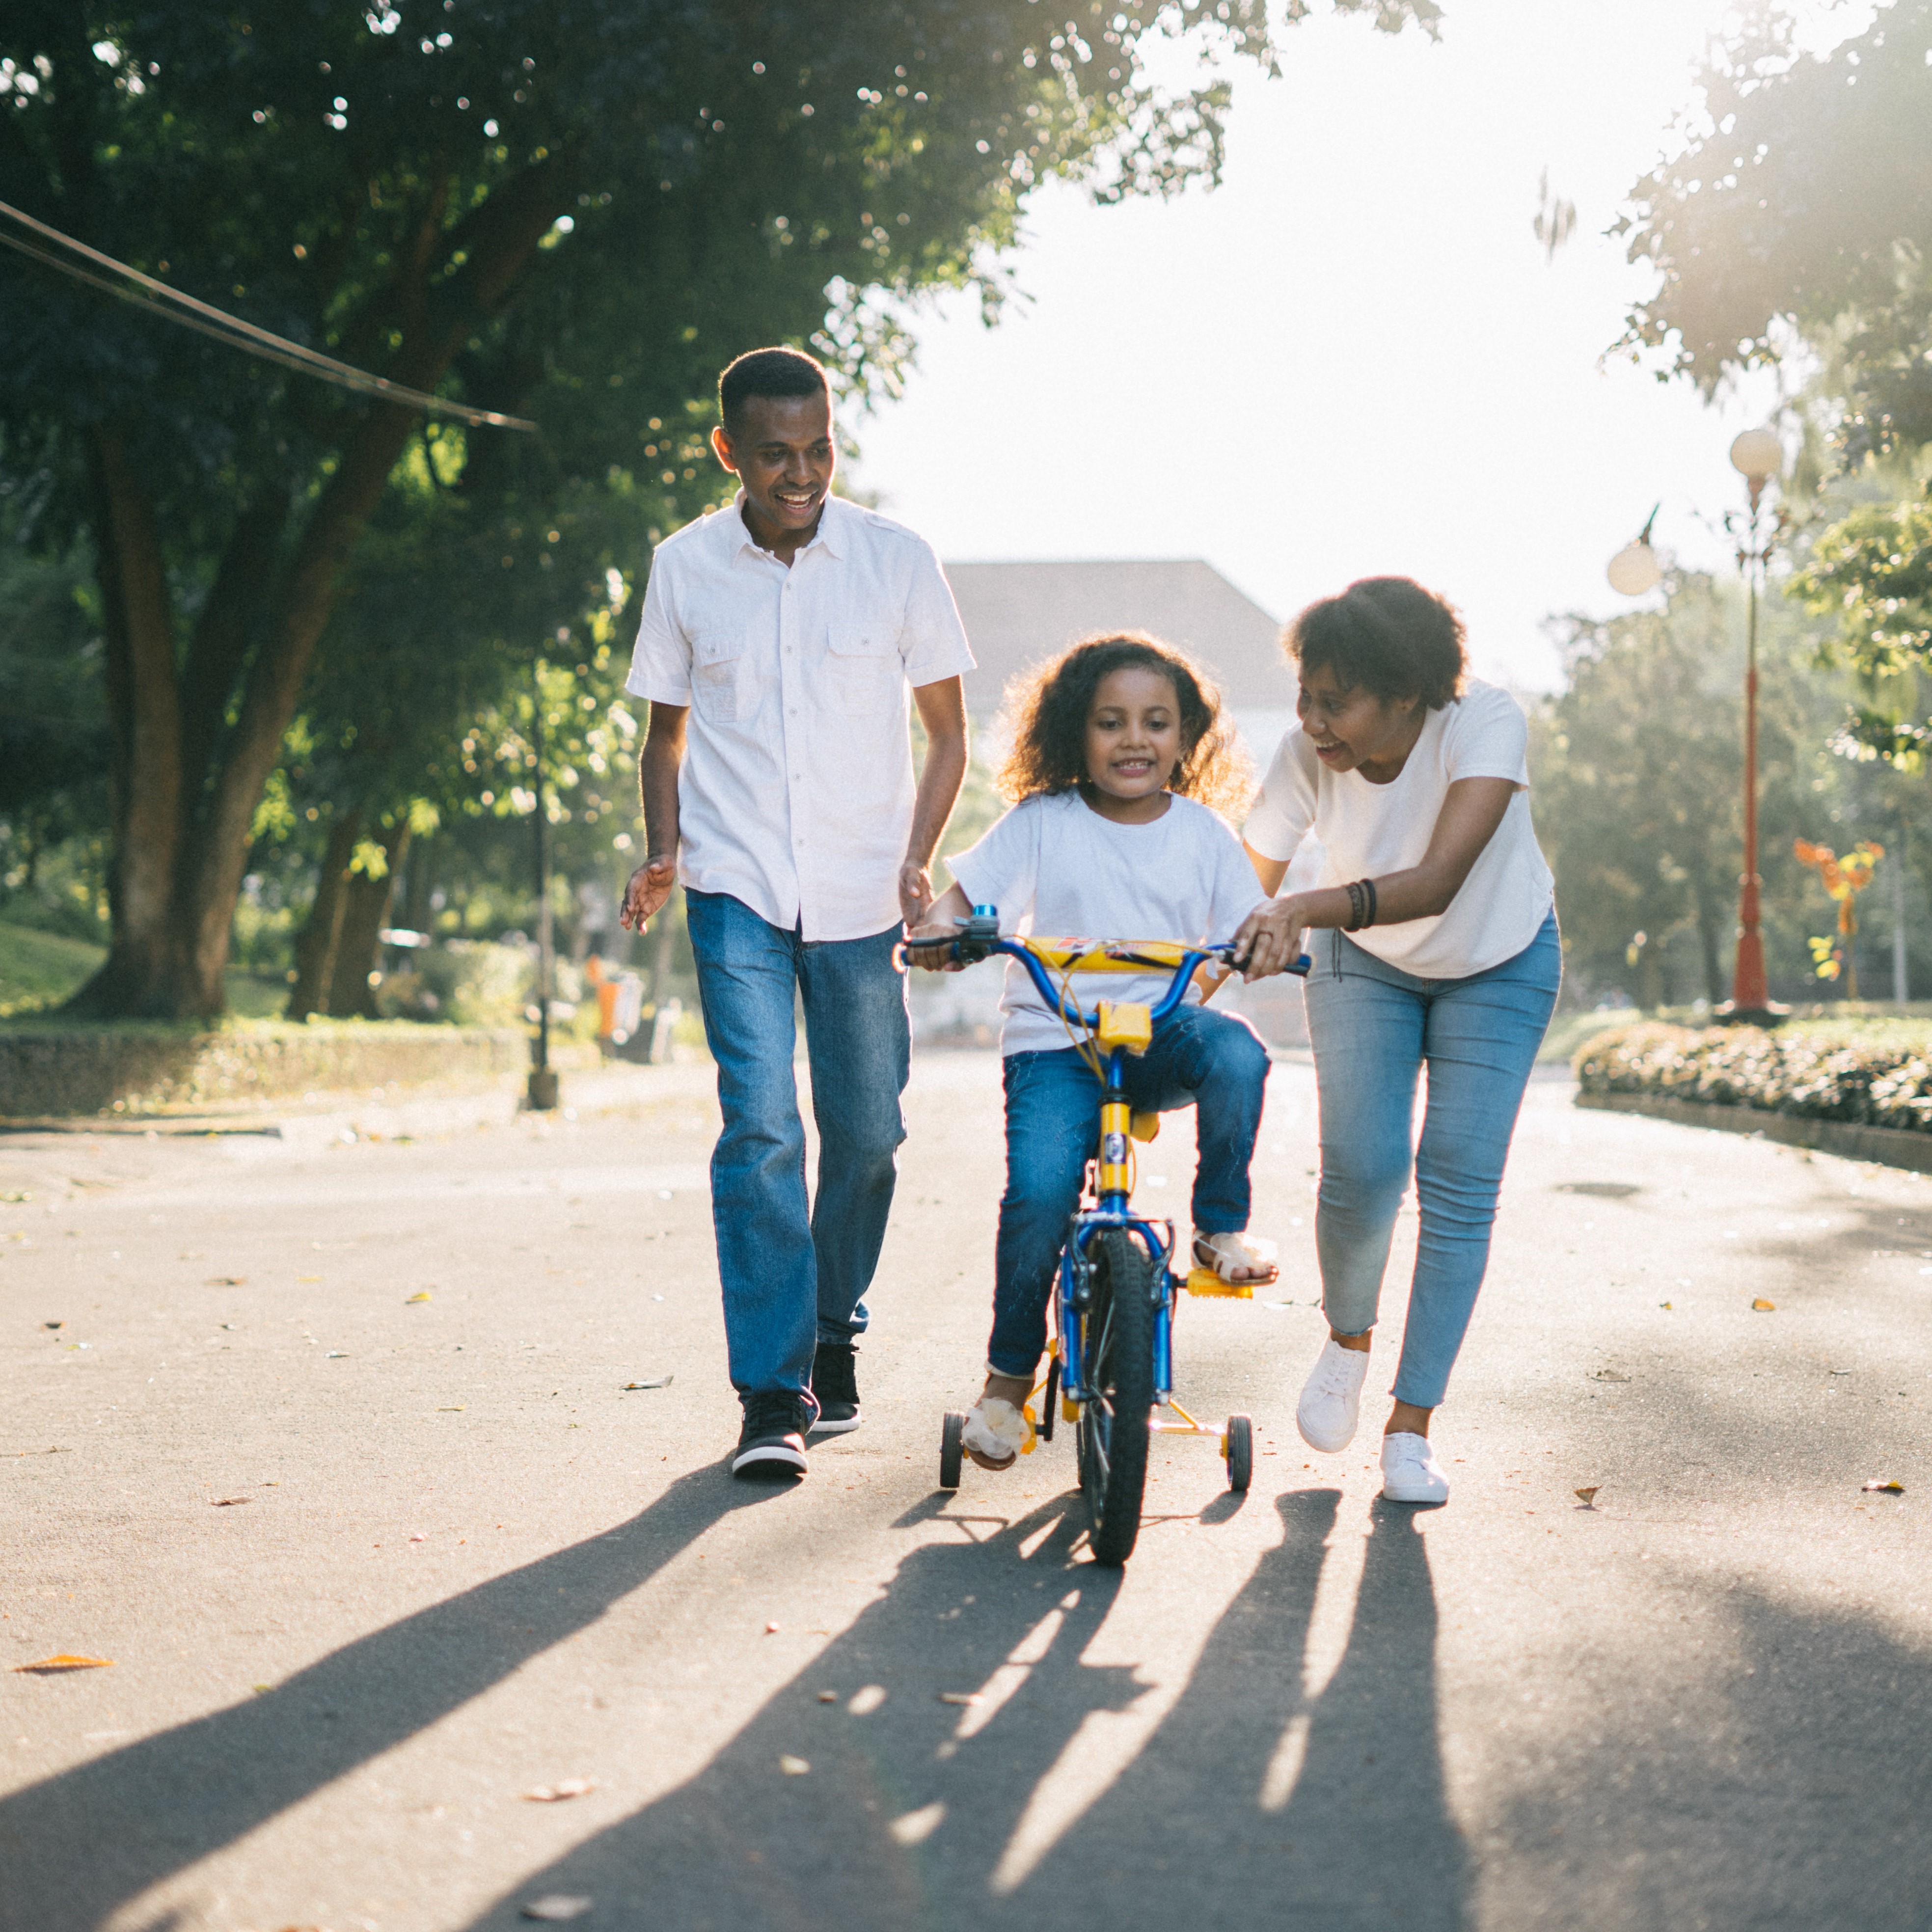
(1351, 358)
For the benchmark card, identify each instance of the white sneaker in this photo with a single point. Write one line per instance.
(1410, 1471)
(1331, 1399)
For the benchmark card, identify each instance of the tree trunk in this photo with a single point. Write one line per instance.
(321, 937)
(182, 830)
(366, 913)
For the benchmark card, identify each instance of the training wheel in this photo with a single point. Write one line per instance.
(1050, 1403)
(949, 1451)
(1240, 1452)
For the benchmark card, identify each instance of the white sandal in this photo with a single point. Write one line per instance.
(996, 1435)
(1241, 1260)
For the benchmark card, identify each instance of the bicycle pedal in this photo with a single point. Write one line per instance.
(1205, 1282)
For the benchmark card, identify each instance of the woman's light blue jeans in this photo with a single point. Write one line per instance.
(794, 1276)
(1373, 1027)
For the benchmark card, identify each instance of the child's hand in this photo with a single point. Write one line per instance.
(934, 961)
(645, 895)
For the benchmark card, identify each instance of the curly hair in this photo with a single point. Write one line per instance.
(1388, 633)
(1047, 709)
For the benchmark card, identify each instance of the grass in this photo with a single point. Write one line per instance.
(39, 969)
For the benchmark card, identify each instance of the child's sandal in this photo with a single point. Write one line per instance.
(996, 1435)
(1241, 1260)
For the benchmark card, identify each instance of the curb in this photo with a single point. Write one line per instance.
(1888, 1146)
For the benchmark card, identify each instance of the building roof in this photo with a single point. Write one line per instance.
(1017, 613)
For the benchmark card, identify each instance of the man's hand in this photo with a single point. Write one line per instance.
(1271, 937)
(645, 895)
(915, 893)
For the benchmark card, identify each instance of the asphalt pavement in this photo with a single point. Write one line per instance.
(388, 1475)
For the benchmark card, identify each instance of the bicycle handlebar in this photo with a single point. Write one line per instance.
(979, 938)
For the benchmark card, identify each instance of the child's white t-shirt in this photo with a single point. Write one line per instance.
(1055, 866)
(1371, 829)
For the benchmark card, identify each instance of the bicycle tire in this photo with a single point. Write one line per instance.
(951, 1447)
(1049, 1406)
(1241, 1455)
(1118, 1360)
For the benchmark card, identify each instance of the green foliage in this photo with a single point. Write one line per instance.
(1799, 201)
(1875, 1075)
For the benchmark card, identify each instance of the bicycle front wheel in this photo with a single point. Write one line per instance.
(1117, 1355)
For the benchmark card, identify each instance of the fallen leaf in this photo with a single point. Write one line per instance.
(53, 1324)
(229, 1502)
(961, 1697)
(794, 1767)
(828, 1696)
(564, 1787)
(1609, 1376)
(554, 1907)
(225, 1281)
(1664, 1304)
(1890, 1486)
(421, 1294)
(64, 1660)
(662, 1381)
(1588, 1494)
(1762, 1307)
(452, 1408)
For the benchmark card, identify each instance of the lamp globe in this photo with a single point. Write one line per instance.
(1633, 570)
(1757, 454)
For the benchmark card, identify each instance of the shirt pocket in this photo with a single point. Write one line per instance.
(862, 668)
(717, 665)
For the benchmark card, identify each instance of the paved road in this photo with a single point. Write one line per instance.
(370, 1567)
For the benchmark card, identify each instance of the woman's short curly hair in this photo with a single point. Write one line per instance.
(1047, 709)
(1388, 634)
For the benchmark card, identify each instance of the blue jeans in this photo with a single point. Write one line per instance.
(1373, 1028)
(1053, 1121)
(793, 1279)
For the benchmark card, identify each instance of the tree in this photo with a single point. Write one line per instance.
(1799, 203)
(574, 209)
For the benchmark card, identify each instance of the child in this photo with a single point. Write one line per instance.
(1119, 759)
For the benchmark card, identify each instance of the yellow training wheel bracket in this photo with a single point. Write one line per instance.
(1125, 1023)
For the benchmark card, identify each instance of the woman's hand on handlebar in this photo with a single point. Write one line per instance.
(1270, 939)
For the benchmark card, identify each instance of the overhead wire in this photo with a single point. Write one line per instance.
(173, 305)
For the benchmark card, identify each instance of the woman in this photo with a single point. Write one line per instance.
(1434, 939)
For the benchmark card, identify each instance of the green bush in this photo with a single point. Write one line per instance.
(1874, 1073)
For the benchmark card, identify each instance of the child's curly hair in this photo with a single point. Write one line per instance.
(1047, 706)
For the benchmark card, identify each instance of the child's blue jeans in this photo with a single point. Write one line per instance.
(1053, 1118)
(1373, 1026)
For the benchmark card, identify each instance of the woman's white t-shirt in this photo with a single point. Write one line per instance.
(1053, 866)
(1372, 829)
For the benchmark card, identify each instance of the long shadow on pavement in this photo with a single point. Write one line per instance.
(917, 1816)
(76, 1847)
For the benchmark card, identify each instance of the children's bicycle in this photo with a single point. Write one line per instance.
(1110, 1359)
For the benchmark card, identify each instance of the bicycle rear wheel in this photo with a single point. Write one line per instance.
(1117, 1356)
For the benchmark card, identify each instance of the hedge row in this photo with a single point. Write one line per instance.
(47, 1068)
(1884, 1080)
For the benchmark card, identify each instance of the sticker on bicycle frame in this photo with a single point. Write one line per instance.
(1114, 1149)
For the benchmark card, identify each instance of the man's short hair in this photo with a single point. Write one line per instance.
(768, 372)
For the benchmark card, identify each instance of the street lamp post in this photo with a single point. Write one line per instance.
(1757, 456)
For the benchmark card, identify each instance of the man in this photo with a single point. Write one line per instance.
(778, 642)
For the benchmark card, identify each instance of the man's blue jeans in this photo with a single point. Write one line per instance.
(1373, 1027)
(794, 1277)
(1053, 1121)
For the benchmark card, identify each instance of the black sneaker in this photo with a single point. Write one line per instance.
(772, 1442)
(835, 1383)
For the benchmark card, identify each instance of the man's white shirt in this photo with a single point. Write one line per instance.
(795, 795)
